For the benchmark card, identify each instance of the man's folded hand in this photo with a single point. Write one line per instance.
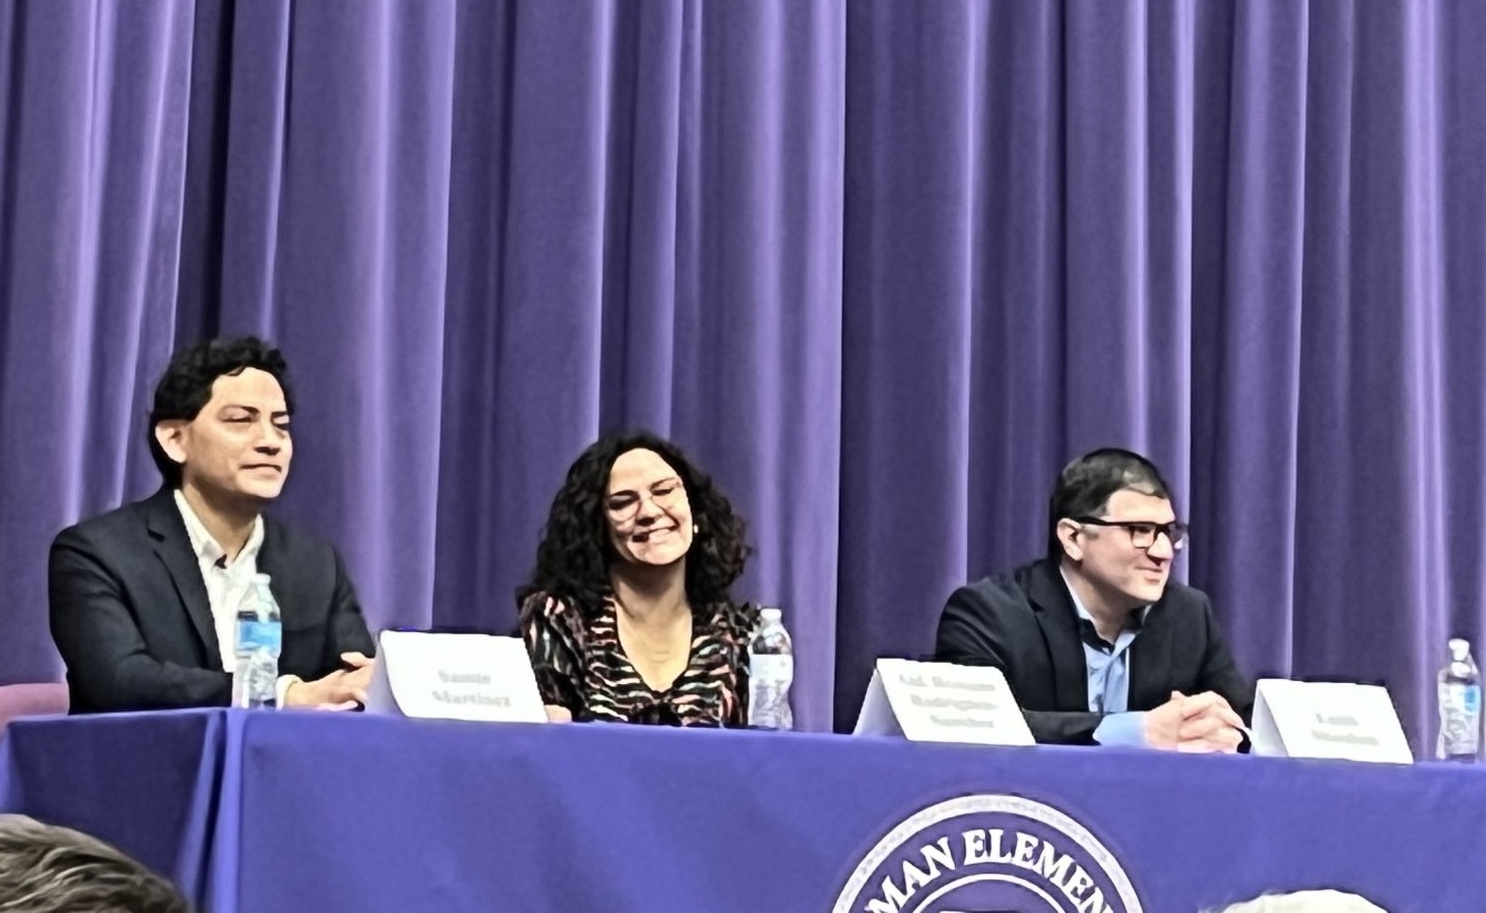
(343, 689)
(1202, 723)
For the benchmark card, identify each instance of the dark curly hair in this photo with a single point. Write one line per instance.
(186, 386)
(575, 552)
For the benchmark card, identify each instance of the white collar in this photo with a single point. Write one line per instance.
(206, 547)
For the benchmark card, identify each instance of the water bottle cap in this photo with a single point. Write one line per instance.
(1459, 646)
(770, 613)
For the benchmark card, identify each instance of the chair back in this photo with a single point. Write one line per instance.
(31, 699)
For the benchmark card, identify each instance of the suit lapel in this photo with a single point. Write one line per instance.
(173, 546)
(273, 561)
(1150, 660)
(1059, 622)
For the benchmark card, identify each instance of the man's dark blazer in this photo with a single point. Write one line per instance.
(1026, 625)
(130, 615)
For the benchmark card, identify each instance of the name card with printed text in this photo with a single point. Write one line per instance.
(1327, 720)
(940, 702)
(454, 677)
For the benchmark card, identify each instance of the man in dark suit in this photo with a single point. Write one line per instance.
(1096, 643)
(143, 599)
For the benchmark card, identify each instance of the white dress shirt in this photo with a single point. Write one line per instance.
(226, 581)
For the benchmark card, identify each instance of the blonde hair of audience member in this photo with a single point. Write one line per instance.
(50, 869)
(1306, 902)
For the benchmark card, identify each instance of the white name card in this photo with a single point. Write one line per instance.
(1327, 720)
(454, 677)
(940, 702)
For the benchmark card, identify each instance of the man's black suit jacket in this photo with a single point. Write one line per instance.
(130, 615)
(1026, 626)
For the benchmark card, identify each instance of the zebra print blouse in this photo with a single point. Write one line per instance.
(580, 665)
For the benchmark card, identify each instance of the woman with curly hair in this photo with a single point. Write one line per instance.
(628, 615)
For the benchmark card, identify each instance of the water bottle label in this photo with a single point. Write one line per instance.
(259, 635)
(1460, 696)
(1460, 719)
(772, 667)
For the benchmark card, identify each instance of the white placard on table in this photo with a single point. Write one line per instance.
(1327, 720)
(941, 702)
(454, 677)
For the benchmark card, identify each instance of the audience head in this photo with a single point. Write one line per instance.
(220, 420)
(47, 869)
(1111, 521)
(1306, 902)
(634, 501)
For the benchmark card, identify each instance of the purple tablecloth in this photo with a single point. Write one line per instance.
(264, 812)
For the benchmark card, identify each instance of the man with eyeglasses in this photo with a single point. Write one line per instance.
(1097, 644)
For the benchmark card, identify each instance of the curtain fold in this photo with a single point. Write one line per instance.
(90, 234)
(882, 268)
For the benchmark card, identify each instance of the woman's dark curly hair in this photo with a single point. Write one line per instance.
(574, 555)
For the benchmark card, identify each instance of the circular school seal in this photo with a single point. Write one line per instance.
(989, 853)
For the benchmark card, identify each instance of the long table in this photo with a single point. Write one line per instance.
(268, 812)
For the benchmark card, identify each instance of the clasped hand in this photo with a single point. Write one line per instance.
(343, 689)
(1197, 723)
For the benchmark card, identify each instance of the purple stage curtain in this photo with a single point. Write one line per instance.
(882, 267)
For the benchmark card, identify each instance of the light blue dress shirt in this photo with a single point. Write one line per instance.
(1108, 669)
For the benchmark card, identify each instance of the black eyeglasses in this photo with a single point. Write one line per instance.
(1143, 534)
(625, 505)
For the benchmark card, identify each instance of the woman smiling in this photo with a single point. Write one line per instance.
(628, 616)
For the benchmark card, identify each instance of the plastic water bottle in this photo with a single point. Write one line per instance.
(771, 670)
(259, 639)
(1460, 705)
